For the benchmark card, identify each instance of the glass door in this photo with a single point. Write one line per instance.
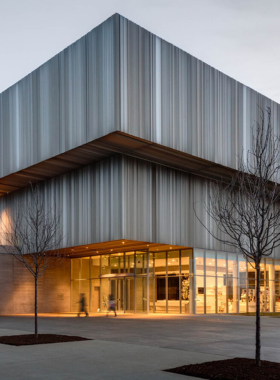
(117, 292)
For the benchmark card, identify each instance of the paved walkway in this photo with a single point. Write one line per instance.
(131, 347)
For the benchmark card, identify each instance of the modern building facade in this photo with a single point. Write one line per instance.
(124, 131)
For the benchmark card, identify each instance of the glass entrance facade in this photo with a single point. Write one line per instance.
(175, 281)
(138, 281)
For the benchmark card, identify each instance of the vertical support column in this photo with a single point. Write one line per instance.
(216, 285)
(204, 278)
(180, 284)
(247, 288)
(235, 287)
(124, 285)
(135, 282)
(148, 282)
(166, 281)
(191, 279)
(226, 283)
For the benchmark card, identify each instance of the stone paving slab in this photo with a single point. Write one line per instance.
(132, 347)
(94, 360)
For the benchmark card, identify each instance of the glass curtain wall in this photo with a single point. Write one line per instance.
(226, 283)
(139, 281)
(170, 288)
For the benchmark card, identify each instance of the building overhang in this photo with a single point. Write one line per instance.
(108, 146)
(117, 246)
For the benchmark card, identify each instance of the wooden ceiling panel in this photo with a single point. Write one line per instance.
(108, 146)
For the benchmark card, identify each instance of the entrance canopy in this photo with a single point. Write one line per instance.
(116, 246)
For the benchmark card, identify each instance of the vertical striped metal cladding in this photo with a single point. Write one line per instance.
(88, 199)
(121, 77)
(70, 100)
(174, 99)
(126, 198)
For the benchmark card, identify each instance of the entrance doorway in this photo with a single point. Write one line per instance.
(122, 290)
(117, 291)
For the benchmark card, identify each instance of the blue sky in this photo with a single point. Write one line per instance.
(238, 37)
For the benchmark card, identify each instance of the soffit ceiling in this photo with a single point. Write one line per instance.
(110, 145)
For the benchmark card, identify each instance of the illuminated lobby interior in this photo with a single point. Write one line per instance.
(174, 281)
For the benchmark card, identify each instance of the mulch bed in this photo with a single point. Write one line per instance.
(27, 340)
(231, 369)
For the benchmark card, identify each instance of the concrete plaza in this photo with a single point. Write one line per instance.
(130, 346)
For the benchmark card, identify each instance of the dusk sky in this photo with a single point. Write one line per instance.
(240, 37)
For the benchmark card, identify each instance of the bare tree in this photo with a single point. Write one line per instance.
(32, 234)
(246, 211)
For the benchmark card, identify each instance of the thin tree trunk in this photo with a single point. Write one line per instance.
(36, 321)
(258, 320)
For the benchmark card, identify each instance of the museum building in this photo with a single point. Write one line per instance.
(124, 132)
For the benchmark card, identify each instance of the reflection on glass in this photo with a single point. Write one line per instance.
(198, 262)
(95, 296)
(85, 261)
(104, 285)
(95, 266)
(173, 294)
(242, 265)
(210, 264)
(251, 293)
(117, 291)
(242, 292)
(232, 265)
(222, 293)
(117, 263)
(232, 295)
(185, 294)
(186, 256)
(151, 264)
(75, 295)
(152, 295)
(141, 294)
(129, 295)
(160, 294)
(277, 270)
(129, 262)
(221, 264)
(210, 294)
(160, 263)
(104, 265)
(199, 294)
(173, 262)
(75, 269)
(141, 262)
(277, 296)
